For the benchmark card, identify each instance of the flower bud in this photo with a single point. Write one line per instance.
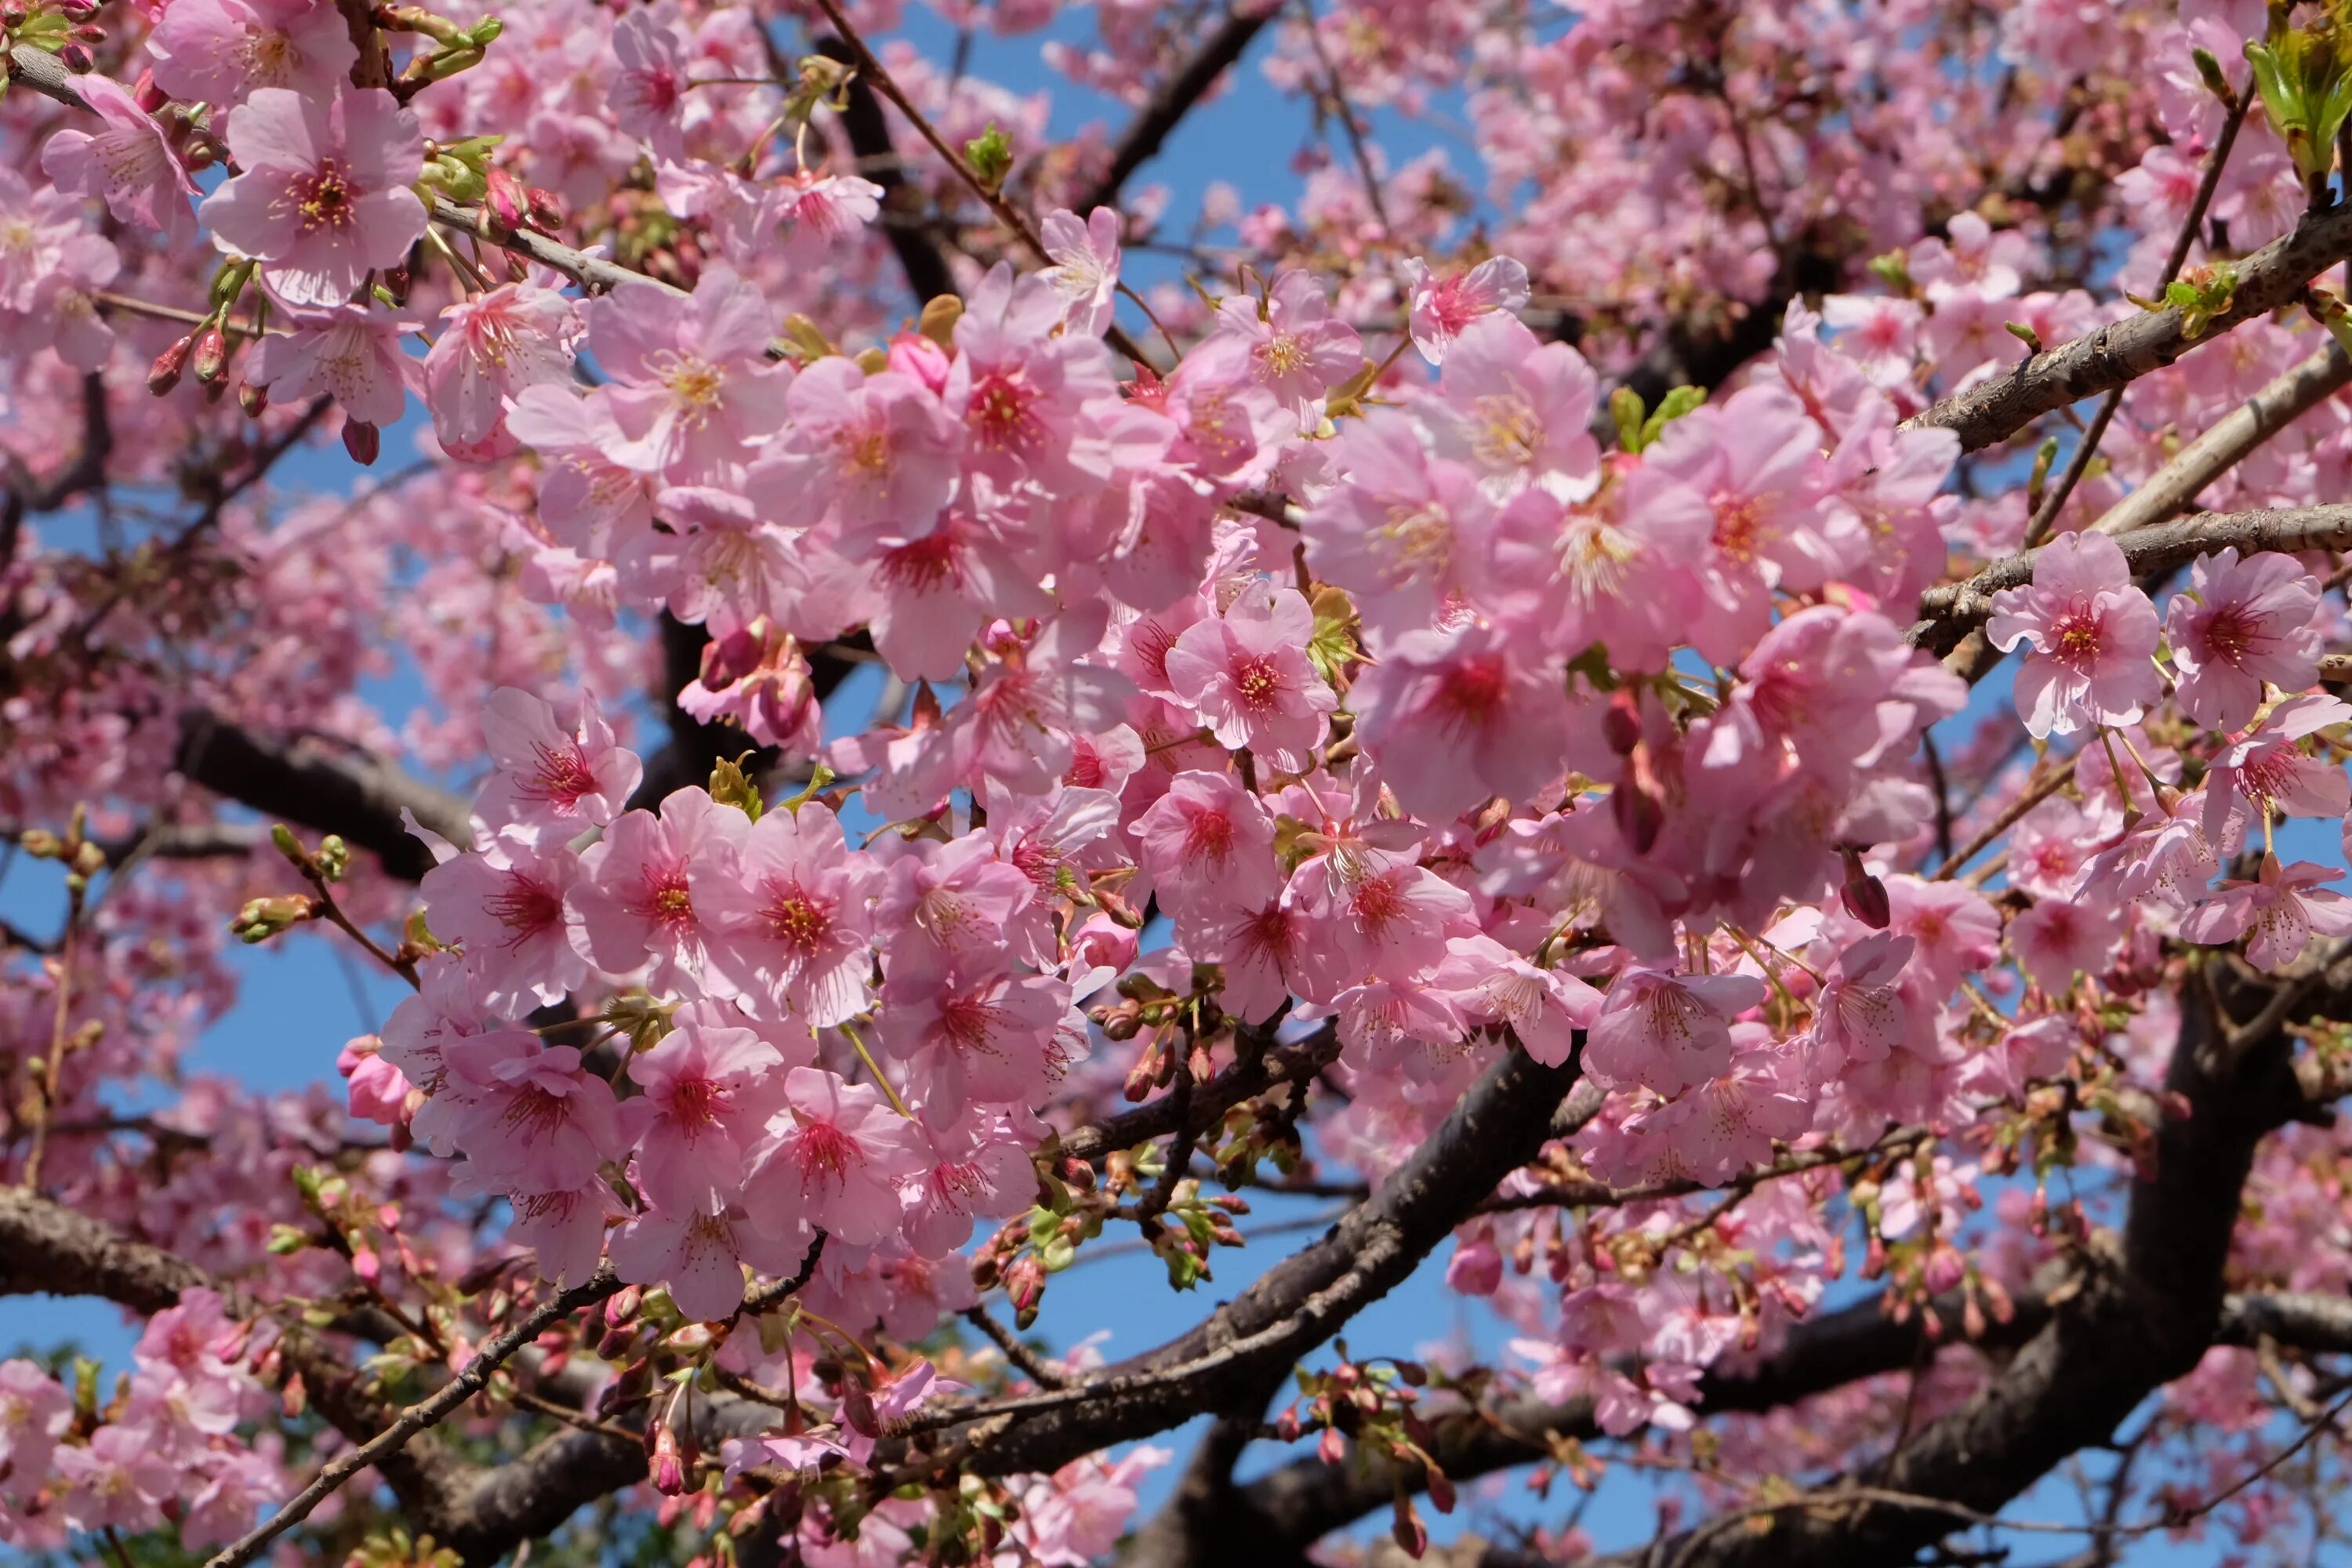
(1621, 723)
(76, 57)
(210, 362)
(252, 399)
(164, 374)
(669, 1466)
(363, 441)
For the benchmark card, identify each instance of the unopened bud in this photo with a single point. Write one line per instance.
(78, 10)
(1621, 723)
(76, 57)
(363, 441)
(166, 372)
(210, 361)
(253, 398)
(1863, 895)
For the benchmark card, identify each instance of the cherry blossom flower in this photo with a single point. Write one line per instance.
(536, 1121)
(505, 907)
(693, 384)
(1667, 1031)
(1247, 673)
(1296, 349)
(2280, 911)
(2266, 767)
(1453, 718)
(1209, 845)
(1517, 409)
(648, 95)
(221, 51)
(708, 1092)
(118, 1482)
(970, 1030)
(2090, 636)
(797, 923)
(553, 776)
(2060, 938)
(698, 1258)
(1085, 267)
(835, 1156)
(2242, 623)
(128, 163)
(878, 450)
(323, 195)
(349, 352)
(637, 896)
(492, 348)
(1441, 309)
(34, 1412)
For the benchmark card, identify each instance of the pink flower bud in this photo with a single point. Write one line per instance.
(913, 355)
(1476, 1268)
(363, 441)
(164, 374)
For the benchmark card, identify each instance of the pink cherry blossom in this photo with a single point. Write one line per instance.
(2242, 623)
(1209, 845)
(349, 352)
(1442, 308)
(2279, 912)
(709, 1089)
(553, 776)
(693, 384)
(490, 350)
(643, 886)
(1085, 267)
(221, 51)
(1296, 349)
(2267, 768)
(128, 163)
(1247, 673)
(2060, 938)
(505, 907)
(877, 449)
(323, 194)
(968, 1030)
(835, 1155)
(2089, 634)
(796, 920)
(1668, 1031)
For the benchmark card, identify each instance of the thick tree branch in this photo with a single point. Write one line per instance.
(1232, 1363)
(2145, 1312)
(48, 1249)
(2123, 351)
(1174, 98)
(2218, 450)
(1949, 612)
(307, 782)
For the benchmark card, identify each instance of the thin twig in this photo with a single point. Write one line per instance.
(427, 1412)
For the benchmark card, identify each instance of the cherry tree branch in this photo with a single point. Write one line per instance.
(2122, 352)
(1948, 612)
(1233, 1361)
(425, 1412)
(1173, 100)
(2141, 1311)
(2220, 448)
(308, 783)
(1246, 1079)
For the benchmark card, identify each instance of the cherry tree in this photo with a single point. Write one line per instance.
(1705, 711)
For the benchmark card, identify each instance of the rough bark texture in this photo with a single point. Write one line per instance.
(2124, 351)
